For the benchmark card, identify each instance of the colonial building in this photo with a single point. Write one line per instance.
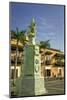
(13, 58)
(52, 61)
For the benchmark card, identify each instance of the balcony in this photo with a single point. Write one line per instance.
(19, 60)
(59, 55)
(58, 63)
(48, 62)
(14, 42)
(13, 48)
(58, 59)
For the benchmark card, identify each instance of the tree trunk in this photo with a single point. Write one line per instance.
(15, 63)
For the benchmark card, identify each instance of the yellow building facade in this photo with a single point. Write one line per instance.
(52, 61)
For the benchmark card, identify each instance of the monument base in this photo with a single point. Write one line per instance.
(40, 86)
(29, 86)
(31, 83)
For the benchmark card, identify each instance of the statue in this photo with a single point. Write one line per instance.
(32, 32)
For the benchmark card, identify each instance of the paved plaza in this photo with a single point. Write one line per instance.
(55, 86)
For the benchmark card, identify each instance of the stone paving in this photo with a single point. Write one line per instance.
(55, 86)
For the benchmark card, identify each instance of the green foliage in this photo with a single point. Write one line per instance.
(45, 44)
(19, 35)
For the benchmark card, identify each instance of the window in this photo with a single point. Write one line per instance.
(48, 72)
(59, 71)
(48, 60)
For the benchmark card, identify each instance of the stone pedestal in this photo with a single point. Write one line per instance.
(39, 86)
(39, 80)
(31, 82)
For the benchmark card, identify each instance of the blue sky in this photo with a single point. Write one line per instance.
(49, 21)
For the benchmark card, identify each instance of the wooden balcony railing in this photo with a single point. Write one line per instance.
(58, 63)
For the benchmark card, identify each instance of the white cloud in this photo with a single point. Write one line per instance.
(42, 23)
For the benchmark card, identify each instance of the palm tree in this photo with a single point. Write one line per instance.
(45, 44)
(19, 36)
